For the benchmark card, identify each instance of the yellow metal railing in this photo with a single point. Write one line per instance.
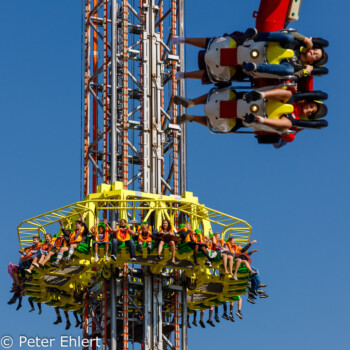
(130, 205)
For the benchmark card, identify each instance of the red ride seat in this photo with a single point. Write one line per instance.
(228, 57)
(228, 109)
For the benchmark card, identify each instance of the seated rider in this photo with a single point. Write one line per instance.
(28, 254)
(57, 243)
(145, 235)
(238, 313)
(273, 103)
(75, 238)
(203, 43)
(309, 56)
(241, 257)
(307, 110)
(166, 235)
(41, 253)
(101, 237)
(254, 287)
(217, 242)
(17, 287)
(120, 235)
(195, 242)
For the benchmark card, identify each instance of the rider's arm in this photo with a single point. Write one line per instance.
(282, 123)
(246, 247)
(277, 95)
(131, 232)
(307, 42)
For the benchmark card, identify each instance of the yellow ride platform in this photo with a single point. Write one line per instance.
(61, 286)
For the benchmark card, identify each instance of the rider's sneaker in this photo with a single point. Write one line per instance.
(249, 67)
(180, 75)
(225, 316)
(250, 34)
(252, 96)
(175, 40)
(239, 314)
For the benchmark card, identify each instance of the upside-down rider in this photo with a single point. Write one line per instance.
(294, 54)
(273, 111)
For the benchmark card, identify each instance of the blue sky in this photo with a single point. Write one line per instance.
(296, 198)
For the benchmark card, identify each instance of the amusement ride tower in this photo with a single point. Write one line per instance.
(134, 168)
(131, 136)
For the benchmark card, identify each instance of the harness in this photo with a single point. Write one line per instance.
(76, 236)
(146, 238)
(105, 235)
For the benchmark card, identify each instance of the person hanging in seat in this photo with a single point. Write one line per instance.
(145, 235)
(217, 242)
(241, 256)
(101, 233)
(194, 241)
(273, 111)
(228, 257)
(17, 286)
(75, 238)
(254, 287)
(238, 313)
(31, 303)
(306, 113)
(309, 55)
(41, 253)
(224, 74)
(28, 254)
(123, 234)
(59, 318)
(166, 235)
(56, 244)
(236, 56)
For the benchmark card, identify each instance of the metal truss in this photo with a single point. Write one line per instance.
(130, 135)
(130, 130)
(145, 309)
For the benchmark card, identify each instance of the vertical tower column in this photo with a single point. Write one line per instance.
(133, 137)
(128, 89)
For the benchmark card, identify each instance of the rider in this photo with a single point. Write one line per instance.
(145, 235)
(308, 54)
(285, 113)
(120, 235)
(101, 236)
(75, 237)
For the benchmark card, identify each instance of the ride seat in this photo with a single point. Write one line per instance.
(275, 109)
(275, 53)
(228, 57)
(228, 109)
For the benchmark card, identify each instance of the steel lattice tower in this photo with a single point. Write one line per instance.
(130, 135)
(130, 131)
